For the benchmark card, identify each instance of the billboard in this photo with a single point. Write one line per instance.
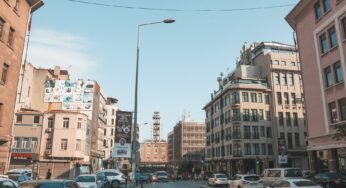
(122, 147)
(74, 95)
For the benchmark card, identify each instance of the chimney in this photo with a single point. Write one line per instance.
(56, 70)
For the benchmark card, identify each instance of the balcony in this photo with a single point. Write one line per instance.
(49, 130)
(237, 153)
(236, 135)
(48, 152)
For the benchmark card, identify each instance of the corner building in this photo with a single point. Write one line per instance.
(14, 20)
(255, 107)
(321, 32)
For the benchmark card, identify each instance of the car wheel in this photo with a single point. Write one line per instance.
(115, 184)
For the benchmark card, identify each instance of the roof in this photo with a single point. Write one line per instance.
(290, 18)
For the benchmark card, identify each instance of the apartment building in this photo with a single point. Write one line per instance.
(188, 142)
(170, 145)
(154, 154)
(109, 131)
(321, 32)
(27, 131)
(256, 116)
(65, 145)
(14, 20)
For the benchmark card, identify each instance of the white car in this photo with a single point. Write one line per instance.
(8, 183)
(301, 183)
(218, 179)
(113, 176)
(87, 181)
(245, 181)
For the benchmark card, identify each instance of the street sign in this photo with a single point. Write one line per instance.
(282, 159)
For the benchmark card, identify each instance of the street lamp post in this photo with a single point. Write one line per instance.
(134, 136)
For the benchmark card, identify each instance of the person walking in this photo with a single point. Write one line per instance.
(49, 174)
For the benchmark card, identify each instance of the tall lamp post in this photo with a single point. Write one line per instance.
(134, 136)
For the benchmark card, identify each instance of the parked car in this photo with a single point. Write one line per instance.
(146, 177)
(245, 181)
(8, 183)
(301, 183)
(114, 177)
(160, 176)
(307, 174)
(269, 176)
(218, 179)
(25, 171)
(330, 179)
(49, 184)
(19, 178)
(88, 181)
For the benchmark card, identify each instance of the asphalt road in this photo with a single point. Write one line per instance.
(175, 184)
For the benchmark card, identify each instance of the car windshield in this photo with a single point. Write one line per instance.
(292, 173)
(162, 174)
(85, 179)
(221, 176)
(14, 178)
(304, 183)
(251, 178)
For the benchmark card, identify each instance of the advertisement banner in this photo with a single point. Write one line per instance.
(122, 147)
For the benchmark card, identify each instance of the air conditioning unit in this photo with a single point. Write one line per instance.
(49, 130)
(48, 152)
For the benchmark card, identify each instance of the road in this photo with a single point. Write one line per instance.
(176, 184)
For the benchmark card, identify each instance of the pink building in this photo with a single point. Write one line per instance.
(321, 31)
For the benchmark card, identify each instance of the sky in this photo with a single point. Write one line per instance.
(178, 63)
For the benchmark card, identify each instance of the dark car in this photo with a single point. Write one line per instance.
(146, 178)
(19, 178)
(330, 179)
(49, 184)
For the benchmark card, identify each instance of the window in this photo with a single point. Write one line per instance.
(245, 96)
(260, 115)
(112, 132)
(343, 22)
(282, 135)
(63, 145)
(338, 72)
(333, 40)
(33, 143)
(247, 149)
(253, 97)
(254, 115)
(256, 149)
(333, 113)
(16, 142)
(268, 116)
(113, 112)
(104, 143)
(326, 5)
(36, 119)
(78, 145)
(266, 99)
(49, 143)
(10, 39)
(255, 132)
(1, 112)
(286, 98)
(25, 143)
(19, 118)
(247, 132)
(342, 107)
(50, 122)
(293, 99)
(262, 132)
(290, 79)
(79, 123)
(263, 149)
(293, 63)
(323, 43)
(328, 77)
(260, 98)
(288, 118)
(295, 118)
(235, 98)
(28, 94)
(236, 115)
(2, 23)
(290, 141)
(276, 62)
(5, 68)
(284, 78)
(113, 121)
(270, 149)
(318, 11)
(281, 118)
(279, 98)
(105, 132)
(276, 78)
(246, 115)
(296, 139)
(269, 132)
(66, 122)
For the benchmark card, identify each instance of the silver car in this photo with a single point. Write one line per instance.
(218, 179)
(114, 177)
(245, 181)
(87, 181)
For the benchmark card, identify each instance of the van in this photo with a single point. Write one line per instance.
(269, 176)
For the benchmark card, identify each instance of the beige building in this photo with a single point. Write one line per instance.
(154, 154)
(257, 115)
(187, 142)
(109, 132)
(65, 146)
(14, 20)
(321, 32)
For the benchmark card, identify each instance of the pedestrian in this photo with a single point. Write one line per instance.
(49, 174)
(137, 177)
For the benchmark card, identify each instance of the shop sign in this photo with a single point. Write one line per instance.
(282, 159)
(123, 132)
(21, 156)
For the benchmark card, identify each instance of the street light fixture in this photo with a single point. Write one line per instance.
(134, 136)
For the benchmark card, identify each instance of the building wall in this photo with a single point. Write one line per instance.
(154, 153)
(109, 129)
(16, 18)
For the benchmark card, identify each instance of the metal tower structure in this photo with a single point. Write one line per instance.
(156, 127)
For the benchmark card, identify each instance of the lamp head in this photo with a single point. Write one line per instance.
(169, 20)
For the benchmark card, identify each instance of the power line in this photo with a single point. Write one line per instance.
(179, 10)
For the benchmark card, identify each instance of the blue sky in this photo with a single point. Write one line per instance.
(179, 62)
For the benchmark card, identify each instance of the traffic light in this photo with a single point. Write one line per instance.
(257, 160)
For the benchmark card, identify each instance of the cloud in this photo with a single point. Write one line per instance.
(48, 48)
